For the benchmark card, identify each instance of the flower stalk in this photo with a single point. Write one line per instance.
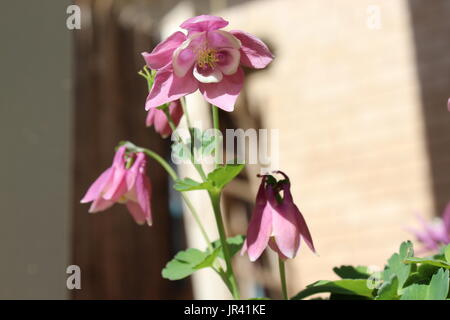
(282, 271)
(215, 200)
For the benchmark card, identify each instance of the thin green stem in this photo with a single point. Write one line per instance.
(215, 200)
(197, 220)
(174, 177)
(283, 278)
(215, 114)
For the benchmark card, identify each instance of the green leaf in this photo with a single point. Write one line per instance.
(187, 184)
(429, 261)
(447, 253)
(183, 264)
(351, 272)
(415, 292)
(347, 286)
(234, 244)
(396, 265)
(438, 288)
(224, 174)
(209, 260)
(388, 290)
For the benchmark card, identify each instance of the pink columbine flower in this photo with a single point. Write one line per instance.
(206, 58)
(121, 184)
(158, 118)
(434, 234)
(276, 221)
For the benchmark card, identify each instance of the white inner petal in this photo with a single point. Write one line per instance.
(213, 77)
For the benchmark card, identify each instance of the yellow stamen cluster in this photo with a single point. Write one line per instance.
(207, 57)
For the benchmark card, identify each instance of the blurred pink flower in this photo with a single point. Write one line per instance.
(208, 59)
(434, 234)
(129, 186)
(158, 119)
(276, 221)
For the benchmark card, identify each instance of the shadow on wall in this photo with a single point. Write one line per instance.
(431, 30)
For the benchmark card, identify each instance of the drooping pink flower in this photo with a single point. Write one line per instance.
(158, 118)
(276, 221)
(433, 234)
(206, 58)
(119, 184)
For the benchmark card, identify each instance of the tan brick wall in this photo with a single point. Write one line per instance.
(347, 100)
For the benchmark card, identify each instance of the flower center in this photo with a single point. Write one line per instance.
(207, 58)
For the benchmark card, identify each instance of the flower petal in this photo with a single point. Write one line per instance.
(100, 204)
(162, 54)
(225, 93)
(150, 117)
(285, 227)
(259, 228)
(116, 187)
(183, 60)
(96, 188)
(211, 76)
(168, 87)
(135, 170)
(274, 247)
(254, 52)
(229, 60)
(143, 192)
(136, 212)
(446, 218)
(204, 23)
(288, 205)
(219, 39)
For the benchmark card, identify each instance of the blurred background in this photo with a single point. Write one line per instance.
(358, 90)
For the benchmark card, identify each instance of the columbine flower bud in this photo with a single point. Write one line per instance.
(276, 221)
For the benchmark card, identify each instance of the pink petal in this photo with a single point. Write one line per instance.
(168, 87)
(183, 61)
(176, 111)
(136, 212)
(100, 204)
(117, 187)
(446, 218)
(143, 191)
(254, 52)
(150, 117)
(135, 169)
(162, 124)
(274, 247)
(96, 188)
(224, 93)
(259, 228)
(219, 39)
(229, 60)
(204, 23)
(162, 54)
(288, 205)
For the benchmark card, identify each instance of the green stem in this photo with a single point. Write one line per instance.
(283, 278)
(215, 200)
(215, 114)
